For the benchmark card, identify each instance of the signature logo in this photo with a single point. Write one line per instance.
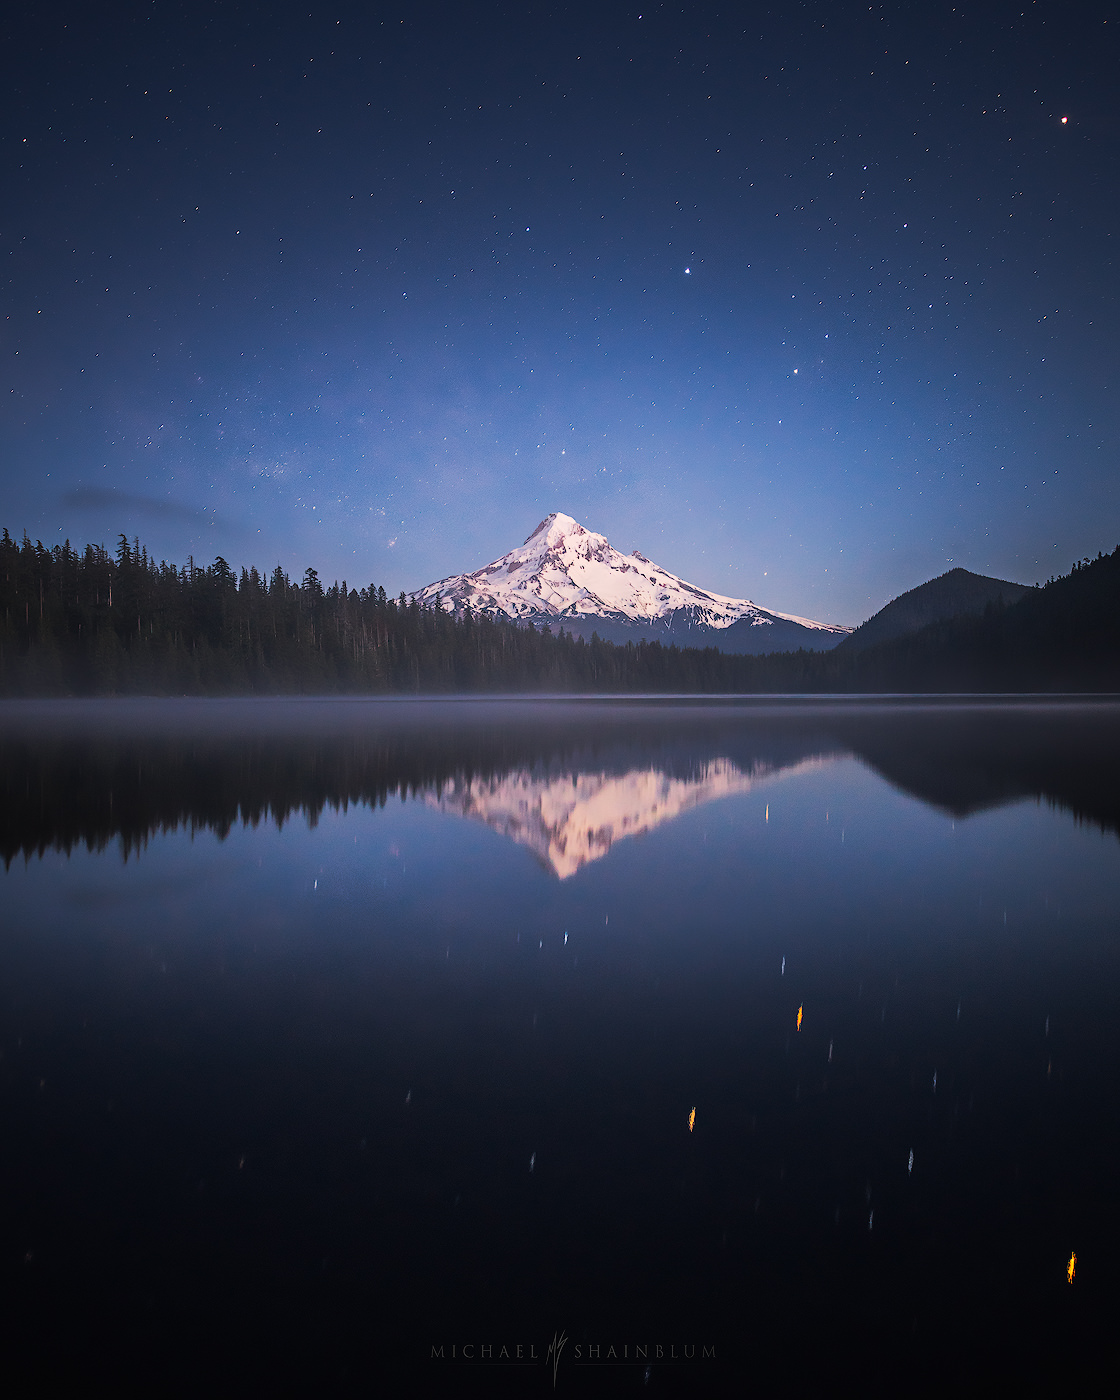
(555, 1347)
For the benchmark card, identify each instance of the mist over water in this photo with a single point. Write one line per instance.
(333, 1032)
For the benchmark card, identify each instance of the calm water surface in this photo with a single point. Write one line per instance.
(334, 1034)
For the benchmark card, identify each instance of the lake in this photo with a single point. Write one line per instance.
(348, 1044)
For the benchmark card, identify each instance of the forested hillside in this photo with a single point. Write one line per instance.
(957, 593)
(95, 623)
(1063, 637)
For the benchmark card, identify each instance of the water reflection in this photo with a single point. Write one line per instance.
(330, 1091)
(567, 780)
(568, 820)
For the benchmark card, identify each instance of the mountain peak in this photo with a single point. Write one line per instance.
(556, 527)
(568, 575)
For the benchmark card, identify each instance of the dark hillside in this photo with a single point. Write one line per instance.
(955, 594)
(1064, 637)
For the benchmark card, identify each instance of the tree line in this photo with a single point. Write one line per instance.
(92, 622)
(101, 623)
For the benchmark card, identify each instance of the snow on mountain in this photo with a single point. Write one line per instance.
(567, 576)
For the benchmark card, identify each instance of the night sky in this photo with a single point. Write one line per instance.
(808, 302)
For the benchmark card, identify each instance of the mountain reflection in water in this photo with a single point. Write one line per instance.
(565, 778)
(570, 819)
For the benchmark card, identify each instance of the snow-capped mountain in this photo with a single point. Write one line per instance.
(567, 576)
